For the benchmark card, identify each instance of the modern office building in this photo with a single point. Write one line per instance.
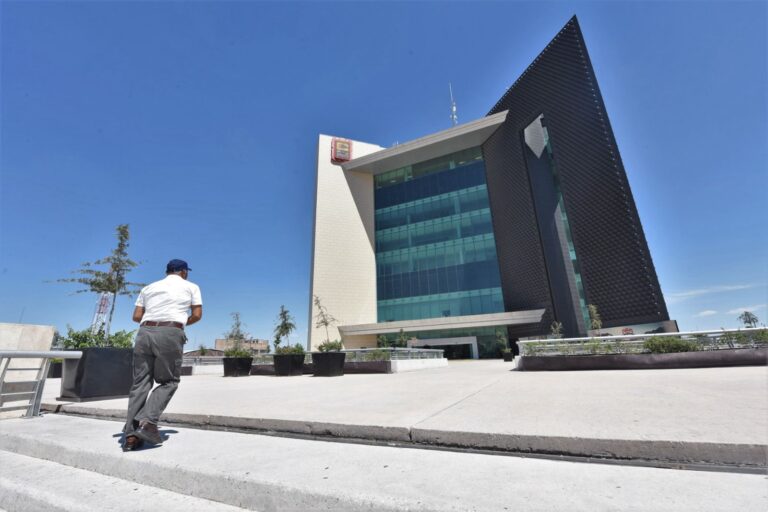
(502, 225)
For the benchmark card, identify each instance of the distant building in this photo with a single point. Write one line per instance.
(502, 225)
(256, 346)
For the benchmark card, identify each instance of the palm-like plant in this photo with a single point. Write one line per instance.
(556, 329)
(285, 325)
(594, 317)
(323, 318)
(749, 319)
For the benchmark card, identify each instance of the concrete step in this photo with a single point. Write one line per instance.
(268, 473)
(32, 484)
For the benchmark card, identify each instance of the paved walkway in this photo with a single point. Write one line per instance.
(62, 463)
(715, 415)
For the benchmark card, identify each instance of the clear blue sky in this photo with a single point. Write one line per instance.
(197, 124)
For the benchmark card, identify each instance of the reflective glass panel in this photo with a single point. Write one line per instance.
(435, 248)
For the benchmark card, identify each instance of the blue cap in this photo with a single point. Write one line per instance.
(176, 266)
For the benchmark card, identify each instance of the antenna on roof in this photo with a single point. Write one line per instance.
(454, 117)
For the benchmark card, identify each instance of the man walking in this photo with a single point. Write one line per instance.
(162, 312)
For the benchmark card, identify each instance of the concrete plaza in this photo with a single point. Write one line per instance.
(624, 422)
(712, 415)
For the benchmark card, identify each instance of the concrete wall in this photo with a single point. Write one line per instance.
(412, 365)
(361, 341)
(208, 369)
(24, 337)
(343, 252)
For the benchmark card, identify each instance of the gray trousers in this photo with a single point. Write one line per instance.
(157, 355)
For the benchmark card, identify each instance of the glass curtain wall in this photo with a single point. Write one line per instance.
(435, 249)
(488, 342)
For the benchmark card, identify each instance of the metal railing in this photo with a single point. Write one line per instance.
(636, 343)
(267, 358)
(369, 354)
(30, 391)
(389, 354)
(202, 360)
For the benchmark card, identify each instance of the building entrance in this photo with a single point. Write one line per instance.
(454, 348)
(454, 351)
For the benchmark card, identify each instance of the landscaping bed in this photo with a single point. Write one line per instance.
(696, 359)
(349, 367)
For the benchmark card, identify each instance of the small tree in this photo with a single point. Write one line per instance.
(501, 340)
(276, 342)
(402, 339)
(594, 317)
(112, 280)
(202, 350)
(236, 332)
(323, 318)
(556, 329)
(749, 319)
(285, 326)
(236, 335)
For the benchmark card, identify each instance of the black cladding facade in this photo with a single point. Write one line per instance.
(615, 266)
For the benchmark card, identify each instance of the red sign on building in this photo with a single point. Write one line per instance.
(341, 150)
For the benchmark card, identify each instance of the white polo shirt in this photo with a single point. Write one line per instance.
(169, 299)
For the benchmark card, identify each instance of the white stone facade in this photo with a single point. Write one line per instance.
(343, 251)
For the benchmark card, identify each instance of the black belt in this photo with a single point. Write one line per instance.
(150, 323)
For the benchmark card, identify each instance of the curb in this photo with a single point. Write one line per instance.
(667, 452)
(660, 451)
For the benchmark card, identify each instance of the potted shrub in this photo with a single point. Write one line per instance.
(54, 369)
(289, 360)
(237, 360)
(329, 362)
(104, 372)
(503, 345)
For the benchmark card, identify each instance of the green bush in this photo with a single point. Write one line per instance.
(734, 338)
(669, 344)
(237, 352)
(330, 346)
(532, 349)
(377, 355)
(295, 349)
(594, 346)
(121, 339)
(760, 336)
(86, 339)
